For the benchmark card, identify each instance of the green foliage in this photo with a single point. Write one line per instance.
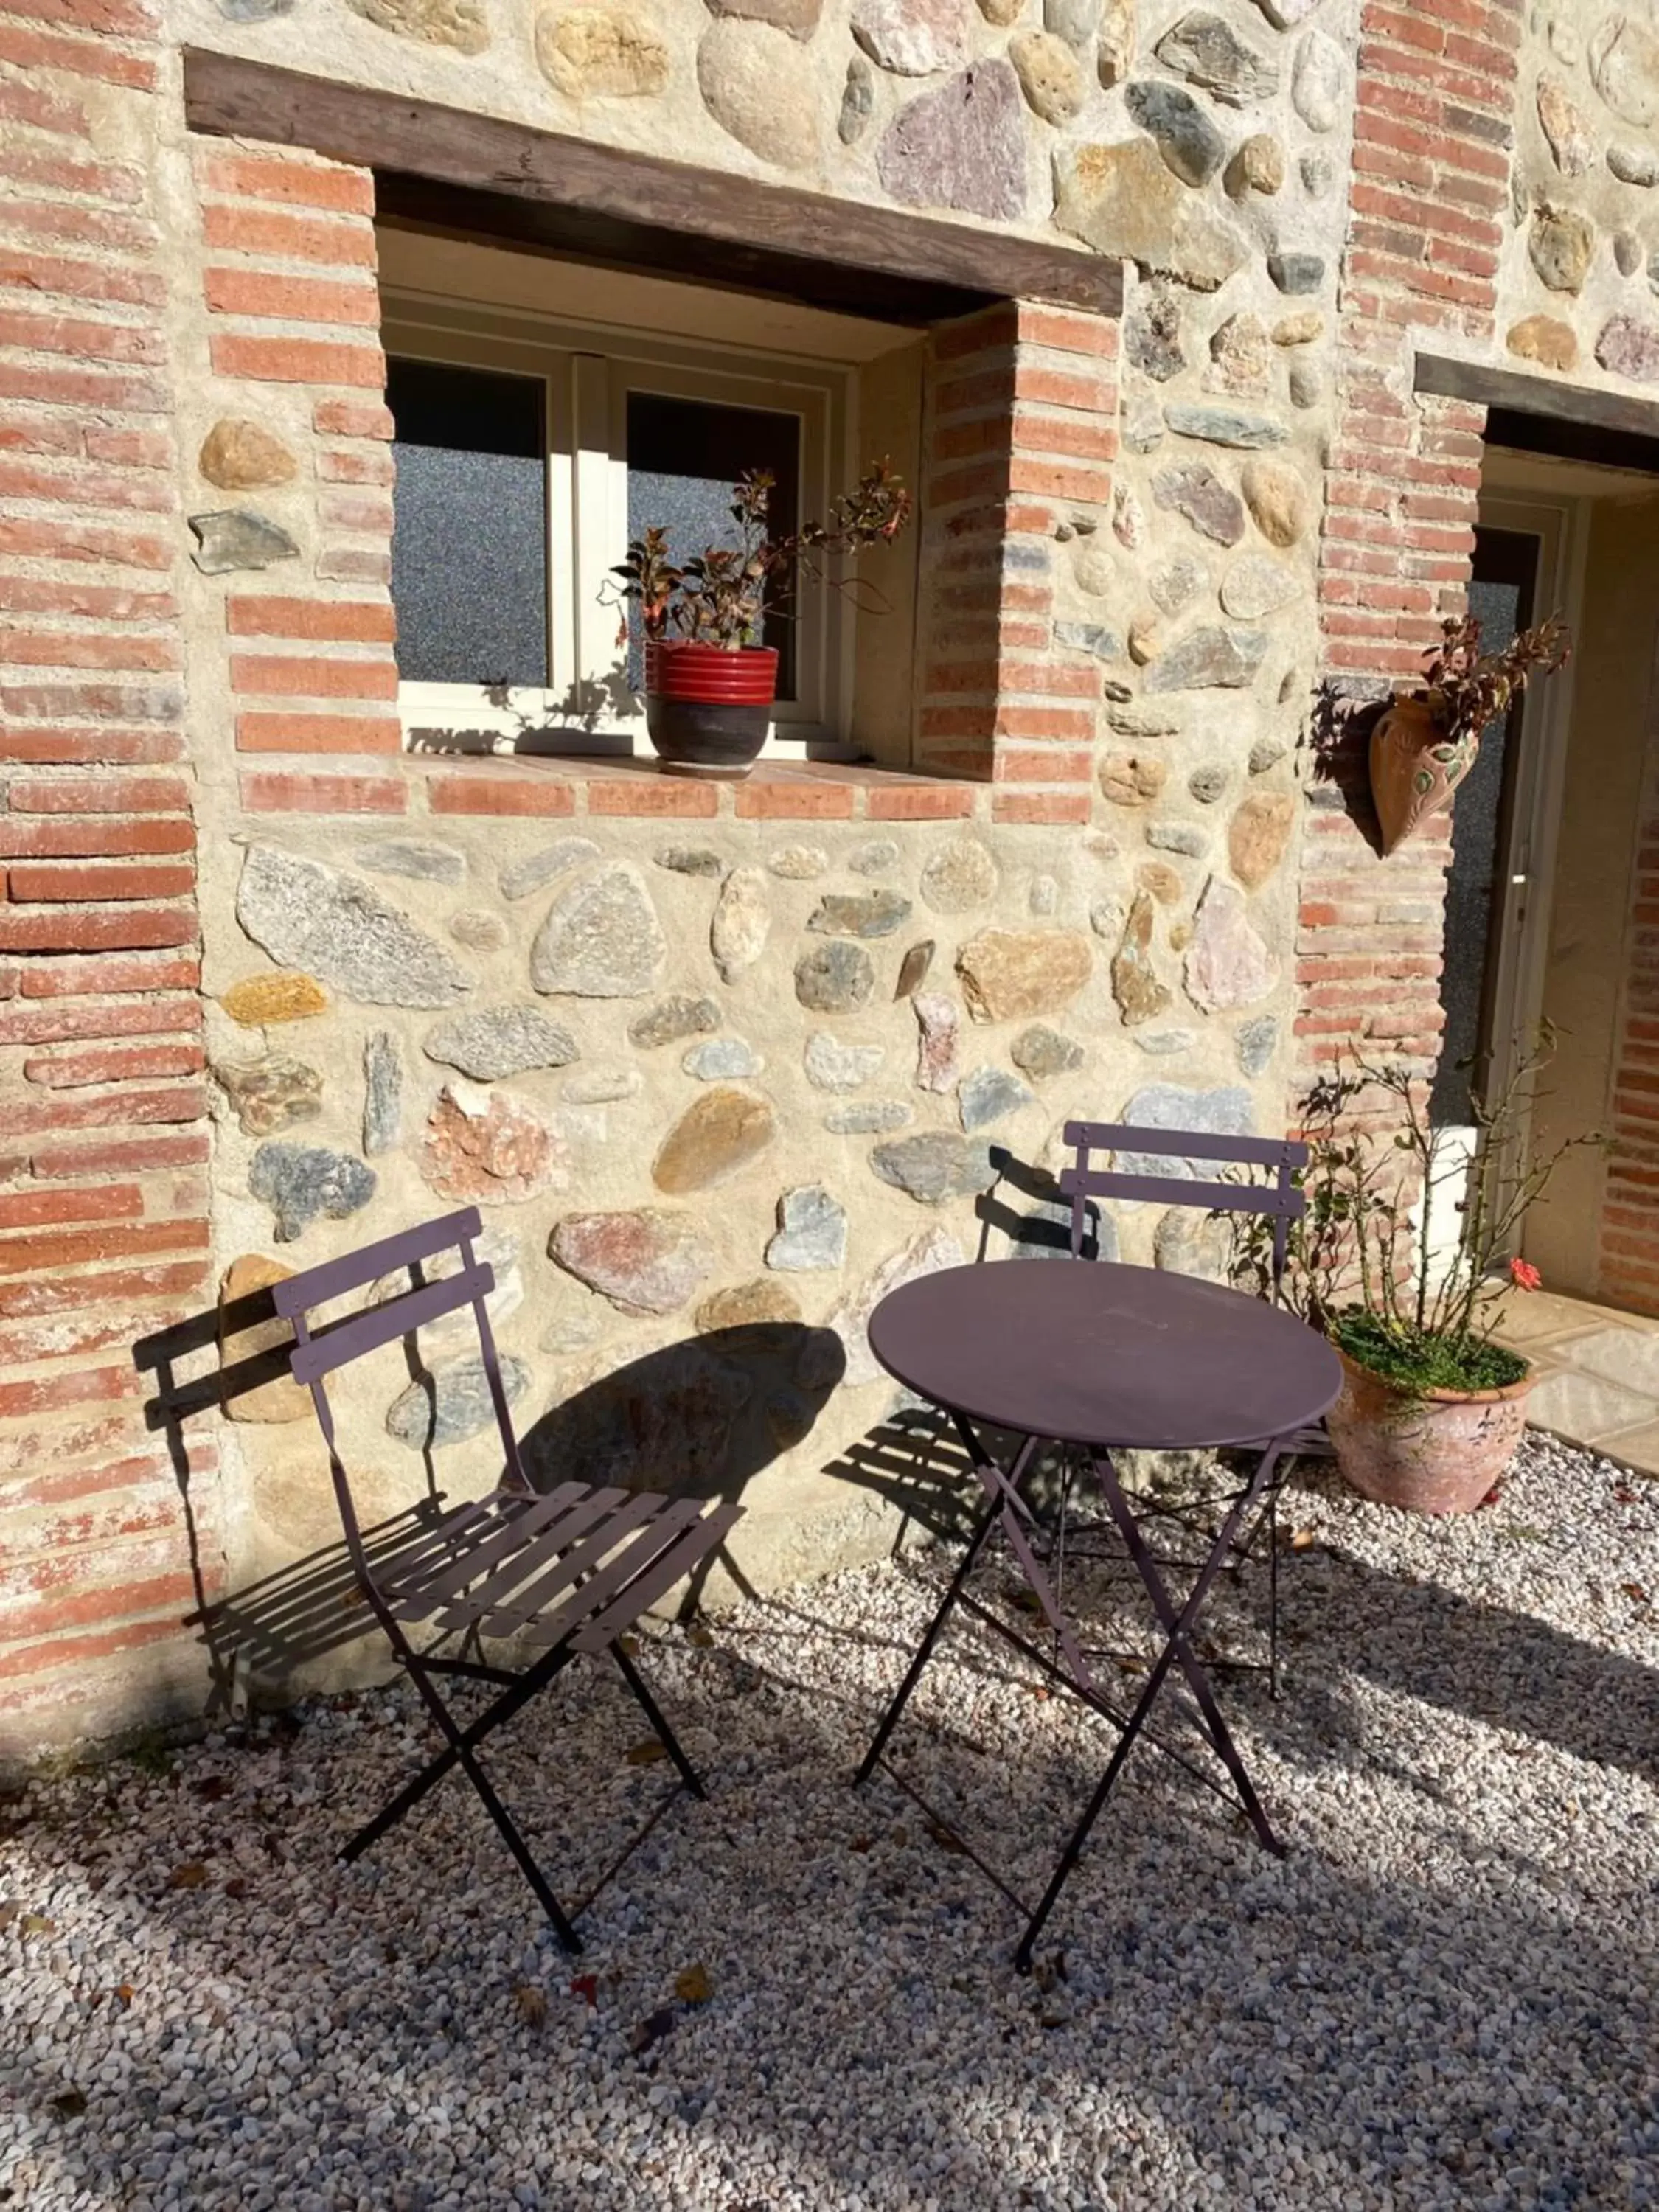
(1357, 1267)
(1417, 1362)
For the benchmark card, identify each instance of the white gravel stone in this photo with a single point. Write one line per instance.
(1442, 1997)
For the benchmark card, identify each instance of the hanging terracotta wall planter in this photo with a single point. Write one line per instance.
(1414, 767)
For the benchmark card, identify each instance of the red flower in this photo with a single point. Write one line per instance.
(1525, 1276)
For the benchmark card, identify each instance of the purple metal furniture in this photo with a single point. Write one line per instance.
(563, 1573)
(1278, 1198)
(1101, 1359)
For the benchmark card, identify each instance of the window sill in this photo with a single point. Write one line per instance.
(573, 787)
(776, 790)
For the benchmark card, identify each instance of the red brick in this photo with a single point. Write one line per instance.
(75, 1655)
(60, 1021)
(296, 361)
(282, 732)
(270, 793)
(769, 801)
(354, 465)
(312, 676)
(37, 881)
(94, 794)
(65, 836)
(293, 180)
(43, 1255)
(1040, 807)
(1050, 764)
(113, 1064)
(365, 621)
(125, 1286)
(1068, 330)
(44, 1394)
(68, 277)
(77, 929)
(919, 802)
(660, 796)
(128, 1156)
(30, 1209)
(353, 418)
(293, 237)
(138, 971)
(457, 792)
(98, 602)
(253, 292)
(73, 539)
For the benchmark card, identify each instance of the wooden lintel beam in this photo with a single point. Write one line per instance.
(1516, 393)
(645, 207)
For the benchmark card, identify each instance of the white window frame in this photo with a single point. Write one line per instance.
(587, 370)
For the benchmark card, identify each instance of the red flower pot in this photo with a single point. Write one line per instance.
(708, 710)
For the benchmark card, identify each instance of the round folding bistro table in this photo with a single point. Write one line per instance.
(1100, 1358)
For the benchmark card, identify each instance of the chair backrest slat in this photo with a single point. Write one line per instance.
(362, 1332)
(1264, 1198)
(1278, 1199)
(332, 1278)
(1186, 1144)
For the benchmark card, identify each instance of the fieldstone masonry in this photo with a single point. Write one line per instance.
(719, 1067)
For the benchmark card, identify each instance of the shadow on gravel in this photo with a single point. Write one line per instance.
(1368, 2023)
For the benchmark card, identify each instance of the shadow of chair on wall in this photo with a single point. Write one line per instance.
(311, 1606)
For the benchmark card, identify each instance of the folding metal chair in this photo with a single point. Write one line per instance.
(565, 1573)
(1278, 1198)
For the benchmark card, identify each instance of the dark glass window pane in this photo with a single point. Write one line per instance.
(469, 553)
(1500, 598)
(683, 457)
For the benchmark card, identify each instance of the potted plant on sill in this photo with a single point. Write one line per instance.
(1432, 1409)
(1424, 745)
(709, 684)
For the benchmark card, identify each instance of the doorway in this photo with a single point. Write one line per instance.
(1497, 902)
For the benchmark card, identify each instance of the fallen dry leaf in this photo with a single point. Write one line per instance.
(36, 1924)
(653, 2028)
(701, 1637)
(532, 2002)
(946, 1839)
(69, 2104)
(1303, 1540)
(861, 1843)
(693, 1987)
(1634, 1592)
(190, 1875)
(647, 1753)
(213, 1787)
(237, 1886)
(124, 1995)
(585, 1986)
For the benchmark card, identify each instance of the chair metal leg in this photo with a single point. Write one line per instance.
(1274, 1685)
(502, 1709)
(498, 1813)
(659, 1727)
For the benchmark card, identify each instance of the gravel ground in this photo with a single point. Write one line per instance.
(1443, 1995)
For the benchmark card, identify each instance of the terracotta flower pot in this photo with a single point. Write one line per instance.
(1414, 767)
(1438, 1452)
(708, 711)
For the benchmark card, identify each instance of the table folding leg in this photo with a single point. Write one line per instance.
(1007, 1506)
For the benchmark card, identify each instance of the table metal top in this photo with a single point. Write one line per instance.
(1090, 1352)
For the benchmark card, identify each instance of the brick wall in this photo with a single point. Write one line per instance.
(1429, 180)
(103, 1144)
(1020, 421)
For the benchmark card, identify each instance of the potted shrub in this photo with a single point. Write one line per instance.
(1432, 1408)
(1424, 745)
(710, 683)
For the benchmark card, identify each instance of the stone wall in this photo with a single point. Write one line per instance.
(691, 1051)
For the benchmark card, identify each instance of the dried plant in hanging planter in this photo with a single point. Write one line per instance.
(1425, 743)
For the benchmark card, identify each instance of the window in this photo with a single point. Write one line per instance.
(528, 454)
